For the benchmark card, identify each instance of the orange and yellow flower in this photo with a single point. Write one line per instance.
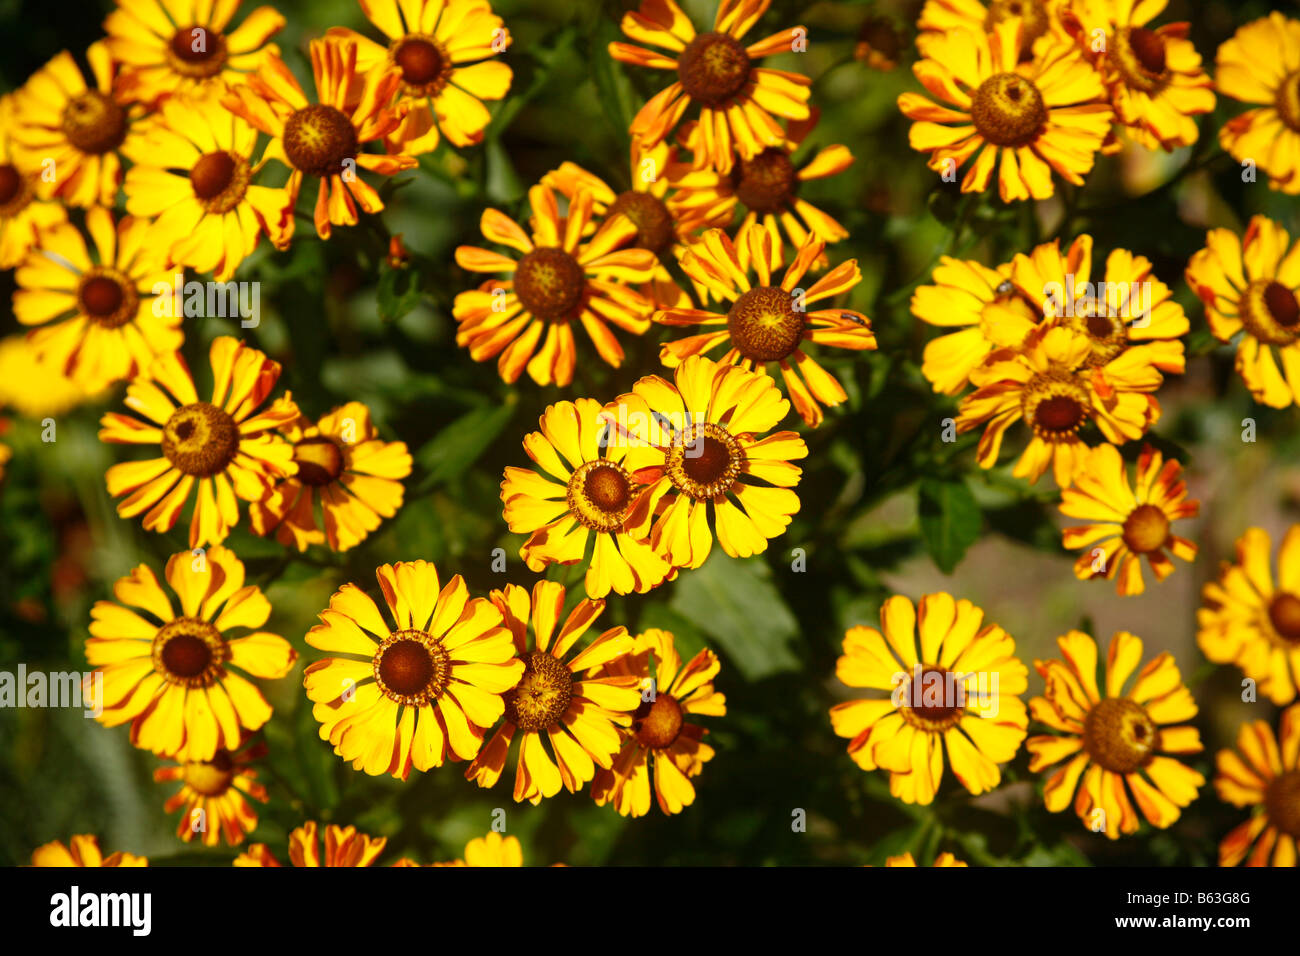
(344, 846)
(214, 795)
(491, 850)
(1263, 773)
(82, 850)
(23, 215)
(943, 859)
(1260, 65)
(879, 44)
(1042, 19)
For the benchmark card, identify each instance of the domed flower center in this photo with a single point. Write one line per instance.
(766, 183)
(424, 62)
(1108, 334)
(107, 297)
(14, 192)
(1146, 529)
(542, 695)
(654, 224)
(1284, 615)
(1119, 735)
(1270, 312)
(704, 461)
(320, 460)
(763, 324)
(658, 723)
(1288, 101)
(412, 668)
(94, 122)
(600, 494)
(210, 777)
(1142, 59)
(200, 439)
(188, 651)
(197, 52)
(550, 283)
(220, 180)
(1282, 801)
(713, 68)
(1055, 405)
(934, 702)
(318, 138)
(1033, 14)
(1008, 110)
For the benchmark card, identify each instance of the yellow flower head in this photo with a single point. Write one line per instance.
(214, 795)
(880, 43)
(23, 215)
(492, 850)
(1260, 65)
(82, 850)
(1263, 773)
(344, 846)
(943, 859)
(1042, 21)
(34, 388)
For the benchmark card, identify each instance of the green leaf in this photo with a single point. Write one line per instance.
(459, 445)
(950, 520)
(398, 293)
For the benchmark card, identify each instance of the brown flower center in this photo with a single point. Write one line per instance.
(1284, 615)
(220, 180)
(1008, 110)
(1146, 529)
(197, 52)
(879, 43)
(704, 461)
(542, 695)
(658, 723)
(107, 297)
(654, 224)
(318, 138)
(189, 652)
(200, 439)
(1282, 802)
(1107, 334)
(11, 185)
(1033, 14)
(550, 283)
(713, 68)
(933, 703)
(600, 494)
(764, 326)
(424, 62)
(1119, 735)
(412, 667)
(210, 777)
(94, 122)
(1142, 59)
(320, 460)
(1055, 405)
(1288, 101)
(766, 183)
(1270, 312)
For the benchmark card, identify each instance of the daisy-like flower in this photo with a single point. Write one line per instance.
(75, 131)
(660, 734)
(577, 501)
(1249, 285)
(82, 850)
(214, 795)
(1129, 522)
(178, 678)
(879, 44)
(188, 46)
(490, 850)
(343, 464)
(702, 440)
(557, 281)
(1264, 776)
(344, 846)
(943, 859)
(739, 103)
(1154, 75)
(1251, 619)
(96, 318)
(1115, 739)
(1260, 65)
(1042, 21)
(23, 216)
(1027, 120)
(410, 694)
(196, 182)
(223, 446)
(1045, 385)
(35, 388)
(958, 690)
(561, 697)
(442, 50)
(766, 322)
(324, 139)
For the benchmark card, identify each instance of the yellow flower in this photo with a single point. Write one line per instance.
(959, 691)
(83, 850)
(738, 102)
(409, 695)
(1115, 739)
(177, 678)
(324, 139)
(560, 696)
(98, 320)
(1259, 65)
(1250, 285)
(1129, 522)
(943, 859)
(1248, 620)
(879, 44)
(556, 281)
(1042, 21)
(344, 846)
(698, 441)
(1027, 120)
(186, 46)
(34, 388)
(23, 216)
(579, 492)
(766, 322)
(223, 446)
(214, 795)
(342, 463)
(1266, 777)
(660, 734)
(432, 44)
(491, 850)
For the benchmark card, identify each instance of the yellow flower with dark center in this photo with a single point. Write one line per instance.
(1115, 739)
(1251, 619)
(434, 46)
(23, 215)
(768, 322)
(660, 734)
(97, 321)
(1027, 120)
(324, 139)
(188, 46)
(739, 103)
(343, 464)
(561, 697)
(943, 859)
(1129, 522)
(880, 43)
(1263, 773)
(579, 493)
(1250, 285)
(178, 678)
(958, 690)
(77, 132)
(344, 846)
(214, 795)
(702, 440)
(402, 696)
(223, 446)
(1260, 65)
(1042, 21)
(557, 281)
(82, 850)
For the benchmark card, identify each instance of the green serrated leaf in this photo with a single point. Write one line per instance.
(950, 520)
